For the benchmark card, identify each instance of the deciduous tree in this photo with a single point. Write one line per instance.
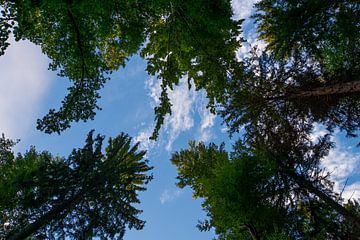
(87, 40)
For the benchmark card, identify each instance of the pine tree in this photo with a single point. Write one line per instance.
(262, 194)
(89, 194)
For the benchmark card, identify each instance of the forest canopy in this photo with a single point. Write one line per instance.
(271, 185)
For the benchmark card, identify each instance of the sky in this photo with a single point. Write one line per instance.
(29, 90)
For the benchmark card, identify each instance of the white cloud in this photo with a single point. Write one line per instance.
(144, 138)
(352, 191)
(182, 99)
(182, 109)
(318, 131)
(341, 163)
(24, 81)
(243, 8)
(170, 195)
(186, 105)
(154, 91)
(207, 120)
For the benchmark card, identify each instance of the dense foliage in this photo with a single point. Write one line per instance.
(270, 187)
(89, 194)
(256, 194)
(87, 40)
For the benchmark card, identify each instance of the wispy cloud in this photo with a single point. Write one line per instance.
(207, 120)
(342, 163)
(352, 191)
(143, 138)
(24, 81)
(182, 99)
(187, 104)
(170, 195)
(243, 8)
(182, 110)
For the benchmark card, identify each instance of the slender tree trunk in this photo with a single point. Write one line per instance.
(252, 230)
(55, 213)
(308, 185)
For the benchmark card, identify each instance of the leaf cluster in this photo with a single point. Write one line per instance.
(87, 40)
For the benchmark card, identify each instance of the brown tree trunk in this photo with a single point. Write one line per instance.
(340, 88)
(336, 89)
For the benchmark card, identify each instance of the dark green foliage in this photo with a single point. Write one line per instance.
(5, 149)
(197, 40)
(256, 194)
(326, 30)
(232, 191)
(7, 22)
(87, 40)
(309, 74)
(271, 186)
(272, 96)
(89, 194)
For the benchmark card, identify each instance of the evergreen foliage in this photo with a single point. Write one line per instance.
(89, 194)
(257, 194)
(271, 186)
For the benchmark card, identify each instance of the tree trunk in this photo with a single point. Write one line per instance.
(55, 213)
(308, 185)
(251, 230)
(340, 88)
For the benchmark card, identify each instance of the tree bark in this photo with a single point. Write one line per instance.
(340, 88)
(336, 89)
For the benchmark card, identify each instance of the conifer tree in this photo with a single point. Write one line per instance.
(89, 194)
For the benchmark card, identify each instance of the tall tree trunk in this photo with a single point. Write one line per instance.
(55, 213)
(308, 185)
(340, 88)
(336, 89)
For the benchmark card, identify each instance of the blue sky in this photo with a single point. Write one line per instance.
(127, 105)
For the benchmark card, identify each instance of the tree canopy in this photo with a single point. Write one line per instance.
(256, 194)
(89, 194)
(271, 186)
(87, 40)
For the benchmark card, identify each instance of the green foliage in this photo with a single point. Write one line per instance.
(89, 194)
(6, 23)
(278, 98)
(87, 40)
(231, 188)
(327, 30)
(196, 40)
(308, 74)
(256, 194)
